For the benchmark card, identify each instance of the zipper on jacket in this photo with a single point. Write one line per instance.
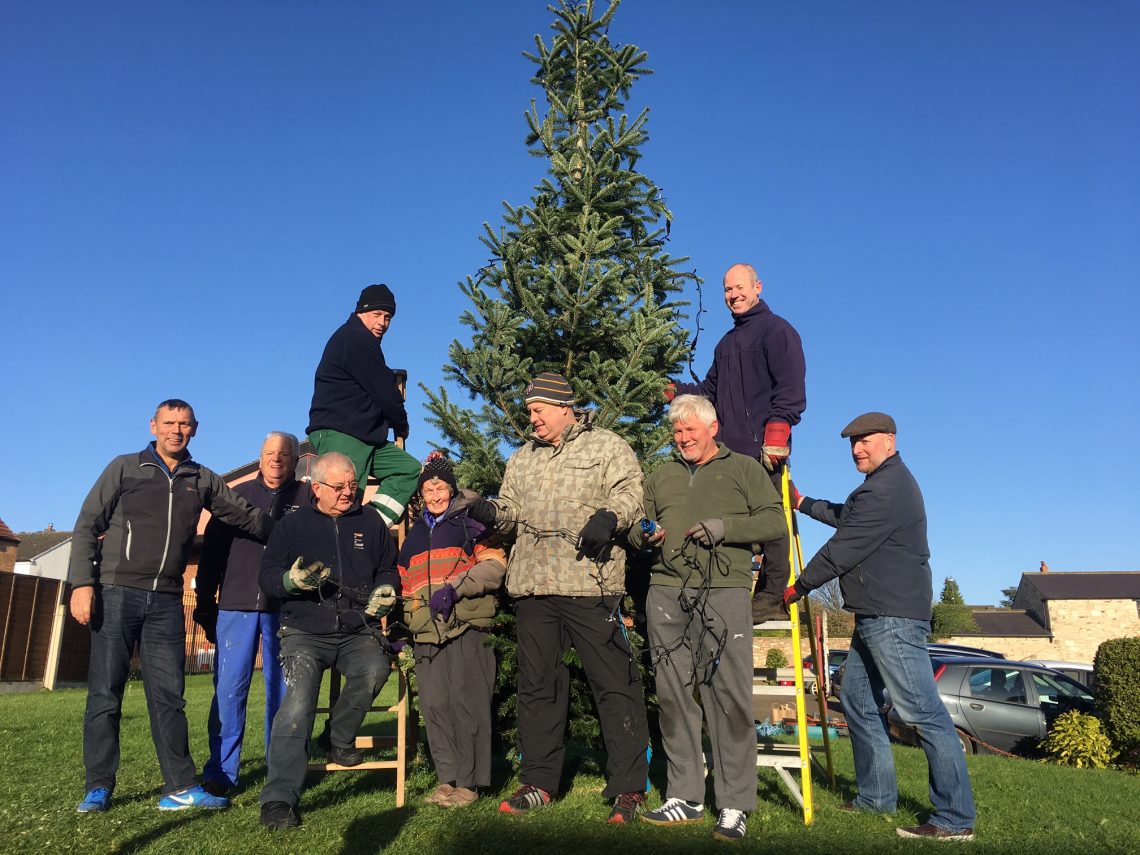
(169, 518)
(129, 540)
(340, 570)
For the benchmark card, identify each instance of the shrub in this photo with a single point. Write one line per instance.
(1078, 740)
(1117, 665)
(776, 658)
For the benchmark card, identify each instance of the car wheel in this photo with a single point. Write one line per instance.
(968, 746)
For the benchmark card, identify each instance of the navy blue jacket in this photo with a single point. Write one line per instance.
(356, 546)
(355, 391)
(757, 376)
(138, 523)
(879, 552)
(231, 559)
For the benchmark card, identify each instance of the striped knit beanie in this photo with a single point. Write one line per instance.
(550, 388)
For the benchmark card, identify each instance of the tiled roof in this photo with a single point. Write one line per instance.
(33, 543)
(1008, 622)
(1122, 585)
(7, 533)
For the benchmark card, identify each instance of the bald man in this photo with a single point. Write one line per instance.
(756, 383)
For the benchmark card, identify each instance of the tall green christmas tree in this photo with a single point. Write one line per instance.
(950, 615)
(579, 281)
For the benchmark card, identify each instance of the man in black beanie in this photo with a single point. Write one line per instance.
(356, 402)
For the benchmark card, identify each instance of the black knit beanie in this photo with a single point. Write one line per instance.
(376, 298)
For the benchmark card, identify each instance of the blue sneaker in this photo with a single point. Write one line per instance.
(192, 797)
(97, 800)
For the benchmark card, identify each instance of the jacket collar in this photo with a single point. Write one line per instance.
(584, 422)
(722, 451)
(761, 308)
(892, 461)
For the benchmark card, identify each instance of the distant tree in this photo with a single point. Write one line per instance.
(951, 615)
(1007, 597)
(840, 622)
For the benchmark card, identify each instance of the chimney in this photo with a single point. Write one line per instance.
(1044, 567)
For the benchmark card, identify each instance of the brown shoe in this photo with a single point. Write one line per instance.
(459, 797)
(439, 794)
(849, 807)
(926, 831)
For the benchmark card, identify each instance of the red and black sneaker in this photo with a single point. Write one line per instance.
(626, 807)
(526, 798)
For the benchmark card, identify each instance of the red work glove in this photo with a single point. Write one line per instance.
(670, 391)
(777, 436)
(794, 496)
(791, 595)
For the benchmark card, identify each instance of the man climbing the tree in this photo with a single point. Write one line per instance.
(356, 402)
(756, 383)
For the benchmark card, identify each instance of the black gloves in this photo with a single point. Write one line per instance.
(597, 533)
(207, 617)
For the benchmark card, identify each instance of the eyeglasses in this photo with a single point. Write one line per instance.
(346, 487)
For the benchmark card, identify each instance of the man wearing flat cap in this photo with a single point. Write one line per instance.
(356, 402)
(566, 496)
(880, 555)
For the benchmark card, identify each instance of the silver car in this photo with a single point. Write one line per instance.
(999, 703)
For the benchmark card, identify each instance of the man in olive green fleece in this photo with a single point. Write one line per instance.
(710, 504)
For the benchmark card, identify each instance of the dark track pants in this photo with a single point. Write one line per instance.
(547, 627)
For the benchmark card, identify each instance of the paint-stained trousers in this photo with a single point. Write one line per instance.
(547, 627)
(685, 648)
(305, 657)
(455, 682)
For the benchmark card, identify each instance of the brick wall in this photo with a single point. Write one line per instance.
(7, 556)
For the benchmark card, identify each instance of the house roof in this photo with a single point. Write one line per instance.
(35, 543)
(7, 533)
(1121, 585)
(1014, 623)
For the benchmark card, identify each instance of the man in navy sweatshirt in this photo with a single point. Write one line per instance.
(356, 403)
(756, 383)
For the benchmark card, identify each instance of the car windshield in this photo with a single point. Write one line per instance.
(1057, 689)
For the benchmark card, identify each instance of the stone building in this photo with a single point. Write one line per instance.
(1060, 616)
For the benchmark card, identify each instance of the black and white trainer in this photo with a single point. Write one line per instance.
(730, 825)
(675, 812)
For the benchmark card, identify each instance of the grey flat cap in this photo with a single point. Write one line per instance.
(870, 423)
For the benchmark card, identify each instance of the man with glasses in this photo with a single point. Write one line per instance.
(128, 556)
(236, 614)
(356, 402)
(332, 567)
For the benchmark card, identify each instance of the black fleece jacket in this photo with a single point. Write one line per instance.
(358, 549)
(355, 391)
(231, 559)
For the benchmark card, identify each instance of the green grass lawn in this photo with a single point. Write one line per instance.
(1023, 806)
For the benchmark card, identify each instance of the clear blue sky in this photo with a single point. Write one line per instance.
(944, 198)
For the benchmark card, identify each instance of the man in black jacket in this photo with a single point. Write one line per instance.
(356, 402)
(237, 615)
(880, 555)
(128, 556)
(756, 383)
(332, 566)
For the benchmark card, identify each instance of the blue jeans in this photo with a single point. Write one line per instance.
(238, 636)
(890, 652)
(122, 618)
(363, 662)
